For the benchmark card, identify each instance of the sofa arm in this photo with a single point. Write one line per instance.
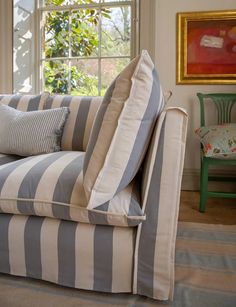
(161, 184)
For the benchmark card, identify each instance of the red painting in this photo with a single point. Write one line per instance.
(211, 47)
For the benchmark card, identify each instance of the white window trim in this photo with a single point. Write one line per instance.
(148, 27)
(6, 56)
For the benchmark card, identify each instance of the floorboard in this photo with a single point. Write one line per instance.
(218, 210)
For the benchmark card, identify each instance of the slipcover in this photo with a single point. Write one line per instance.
(97, 257)
(85, 256)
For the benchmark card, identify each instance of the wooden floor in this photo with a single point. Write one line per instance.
(218, 211)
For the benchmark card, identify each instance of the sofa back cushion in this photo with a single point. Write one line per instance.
(25, 102)
(79, 123)
(122, 130)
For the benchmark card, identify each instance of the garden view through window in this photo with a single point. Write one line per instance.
(84, 44)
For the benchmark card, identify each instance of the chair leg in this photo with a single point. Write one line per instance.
(203, 185)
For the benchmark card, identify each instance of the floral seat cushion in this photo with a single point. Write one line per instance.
(218, 141)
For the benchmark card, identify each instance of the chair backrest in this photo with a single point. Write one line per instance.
(223, 102)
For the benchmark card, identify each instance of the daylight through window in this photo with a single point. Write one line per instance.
(85, 44)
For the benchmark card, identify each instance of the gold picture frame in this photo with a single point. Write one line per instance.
(206, 47)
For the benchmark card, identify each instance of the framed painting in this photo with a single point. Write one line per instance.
(206, 47)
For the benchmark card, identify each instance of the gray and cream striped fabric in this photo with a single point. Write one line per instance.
(79, 123)
(25, 102)
(67, 253)
(122, 130)
(205, 270)
(8, 158)
(51, 185)
(162, 174)
(31, 133)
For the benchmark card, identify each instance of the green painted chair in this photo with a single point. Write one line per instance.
(224, 103)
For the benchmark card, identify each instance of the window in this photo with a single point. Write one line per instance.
(85, 43)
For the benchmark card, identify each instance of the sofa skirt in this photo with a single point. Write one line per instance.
(78, 255)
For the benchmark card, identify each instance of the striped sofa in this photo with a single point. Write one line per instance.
(43, 237)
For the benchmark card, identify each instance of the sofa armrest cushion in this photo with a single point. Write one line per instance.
(161, 185)
(31, 133)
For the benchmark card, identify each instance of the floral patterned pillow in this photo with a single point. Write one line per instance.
(218, 141)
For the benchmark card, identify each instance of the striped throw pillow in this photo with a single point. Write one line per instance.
(79, 123)
(122, 130)
(25, 102)
(31, 133)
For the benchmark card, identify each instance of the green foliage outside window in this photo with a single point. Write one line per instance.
(71, 39)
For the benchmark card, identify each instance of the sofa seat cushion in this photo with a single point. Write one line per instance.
(218, 141)
(8, 158)
(51, 185)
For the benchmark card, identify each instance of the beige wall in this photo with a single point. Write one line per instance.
(165, 58)
(5, 46)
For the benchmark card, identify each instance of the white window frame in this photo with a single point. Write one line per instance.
(134, 48)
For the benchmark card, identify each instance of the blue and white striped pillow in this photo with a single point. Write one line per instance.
(122, 130)
(31, 133)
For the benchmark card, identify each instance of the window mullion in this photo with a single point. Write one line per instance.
(100, 52)
(70, 53)
(69, 77)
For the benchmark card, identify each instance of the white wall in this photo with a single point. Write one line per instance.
(165, 58)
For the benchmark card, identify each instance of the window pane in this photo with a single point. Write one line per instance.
(56, 35)
(110, 68)
(84, 32)
(116, 31)
(84, 77)
(56, 77)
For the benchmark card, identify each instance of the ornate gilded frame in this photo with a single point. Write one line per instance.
(187, 23)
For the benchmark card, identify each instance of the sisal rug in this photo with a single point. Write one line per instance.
(205, 277)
